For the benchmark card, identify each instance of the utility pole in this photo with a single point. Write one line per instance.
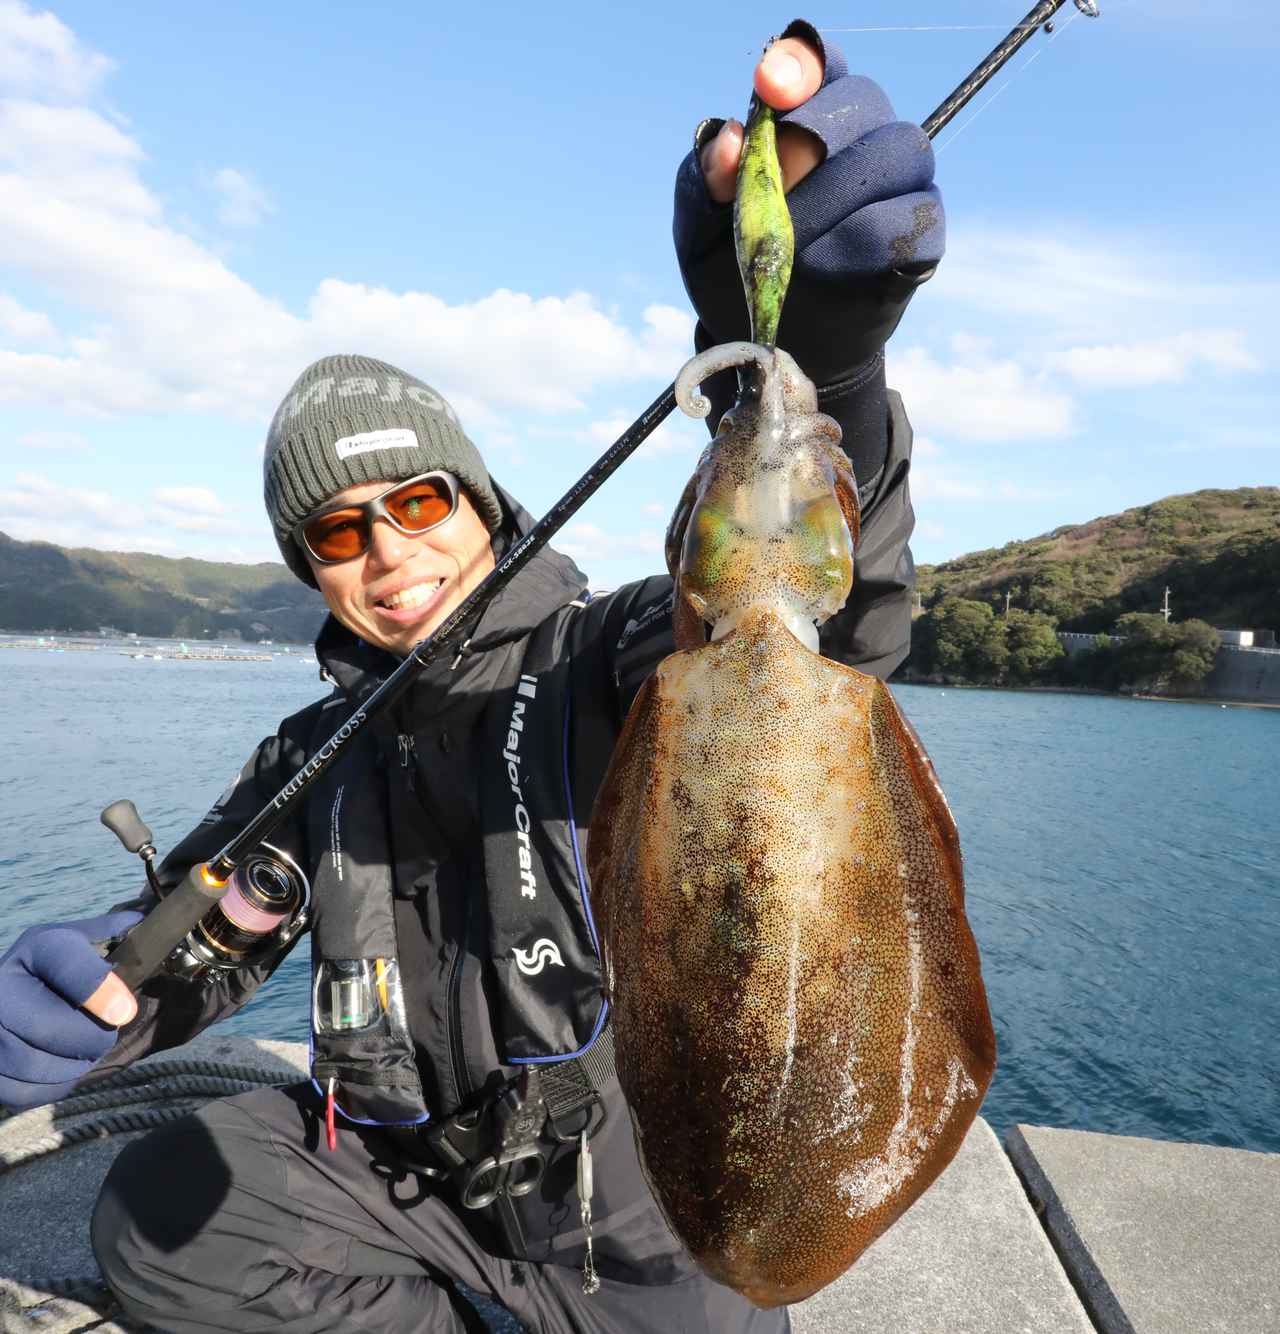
(1008, 593)
(1166, 609)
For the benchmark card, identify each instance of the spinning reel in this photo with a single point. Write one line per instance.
(264, 906)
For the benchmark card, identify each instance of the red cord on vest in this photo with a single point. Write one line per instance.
(330, 1129)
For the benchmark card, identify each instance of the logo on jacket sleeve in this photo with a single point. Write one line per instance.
(532, 961)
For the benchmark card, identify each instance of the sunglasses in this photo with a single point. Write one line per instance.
(344, 532)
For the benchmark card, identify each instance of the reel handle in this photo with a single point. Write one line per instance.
(122, 818)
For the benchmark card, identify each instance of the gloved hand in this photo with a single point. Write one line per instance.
(869, 227)
(60, 1007)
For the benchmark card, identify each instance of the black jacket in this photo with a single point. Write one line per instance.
(426, 749)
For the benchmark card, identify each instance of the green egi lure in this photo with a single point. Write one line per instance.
(762, 230)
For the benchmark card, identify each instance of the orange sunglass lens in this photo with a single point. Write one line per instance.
(338, 536)
(420, 505)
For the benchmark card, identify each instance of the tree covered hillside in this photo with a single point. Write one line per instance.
(1218, 551)
(47, 587)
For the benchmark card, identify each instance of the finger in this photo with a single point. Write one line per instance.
(789, 72)
(50, 1024)
(112, 1002)
(65, 961)
(799, 152)
(720, 162)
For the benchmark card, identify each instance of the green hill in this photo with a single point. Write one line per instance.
(1217, 551)
(47, 587)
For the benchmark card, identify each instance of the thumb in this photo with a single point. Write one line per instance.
(112, 1002)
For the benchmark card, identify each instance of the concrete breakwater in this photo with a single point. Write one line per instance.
(1056, 1232)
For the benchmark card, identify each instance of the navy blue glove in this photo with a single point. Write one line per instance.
(869, 229)
(46, 1041)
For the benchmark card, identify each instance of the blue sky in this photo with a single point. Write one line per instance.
(195, 201)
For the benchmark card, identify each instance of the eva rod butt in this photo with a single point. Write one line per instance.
(142, 952)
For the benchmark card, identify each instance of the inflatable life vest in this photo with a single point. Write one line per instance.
(542, 940)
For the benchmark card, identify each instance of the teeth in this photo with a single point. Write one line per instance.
(411, 597)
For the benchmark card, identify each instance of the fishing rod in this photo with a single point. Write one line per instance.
(1039, 17)
(251, 898)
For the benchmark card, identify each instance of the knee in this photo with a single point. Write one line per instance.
(157, 1197)
(113, 1230)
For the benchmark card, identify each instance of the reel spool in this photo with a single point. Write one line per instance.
(262, 910)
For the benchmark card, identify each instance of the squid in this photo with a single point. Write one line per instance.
(800, 1024)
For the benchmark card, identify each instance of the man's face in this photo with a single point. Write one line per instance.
(403, 587)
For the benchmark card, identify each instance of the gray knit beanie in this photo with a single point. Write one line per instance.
(349, 420)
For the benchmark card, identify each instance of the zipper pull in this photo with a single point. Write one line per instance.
(408, 754)
(330, 1128)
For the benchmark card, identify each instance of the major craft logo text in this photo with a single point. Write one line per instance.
(528, 689)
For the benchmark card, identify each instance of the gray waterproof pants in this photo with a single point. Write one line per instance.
(239, 1218)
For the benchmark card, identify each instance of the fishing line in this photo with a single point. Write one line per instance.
(1004, 87)
(943, 27)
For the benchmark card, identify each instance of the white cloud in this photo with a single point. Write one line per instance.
(60, 442)
(174, 329)
(666, 439)
(186, 522)
(242, 201)
(39, 53)
(1052, 292)
(1156, 361)
(976, 397)
(59, 157)
(33, 496)
(183, 521)
(934, 483)
(190, 500)
(551, 351)
(72, 533)
(26, 326)
(588, 543)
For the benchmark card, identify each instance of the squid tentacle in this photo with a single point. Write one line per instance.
(723, 357)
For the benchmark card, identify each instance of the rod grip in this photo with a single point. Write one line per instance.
(141, 953)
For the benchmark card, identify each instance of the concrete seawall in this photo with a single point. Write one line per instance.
(1065, 1233)
(1251, 675)
(1242, 675)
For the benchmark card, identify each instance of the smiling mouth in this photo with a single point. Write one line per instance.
(415, 596)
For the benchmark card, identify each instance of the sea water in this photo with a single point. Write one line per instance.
(1122, 860)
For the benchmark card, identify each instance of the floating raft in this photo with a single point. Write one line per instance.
(1155, 1237)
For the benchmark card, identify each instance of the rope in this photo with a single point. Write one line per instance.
(182, 1085)
(154, 1071)
(118, 1123)
(141, 1074)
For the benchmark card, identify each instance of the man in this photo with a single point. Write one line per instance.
(451, 938)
